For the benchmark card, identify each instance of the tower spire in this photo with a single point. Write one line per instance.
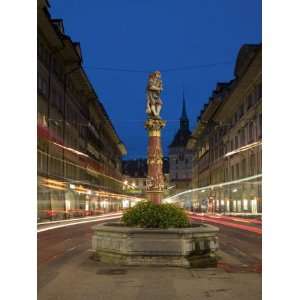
(184, 121)
(183, 113)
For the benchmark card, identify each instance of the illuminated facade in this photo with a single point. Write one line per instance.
(228, 139)
(180, 158)
(79, 152)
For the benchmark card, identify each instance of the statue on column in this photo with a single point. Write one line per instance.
(154, 88)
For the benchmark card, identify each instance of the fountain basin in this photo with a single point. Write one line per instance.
(195, 246)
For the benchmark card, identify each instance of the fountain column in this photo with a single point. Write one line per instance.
(155, 178)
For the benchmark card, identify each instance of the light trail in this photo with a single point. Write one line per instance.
(226, 223)
(218, 185)
(244, 148)
(233, 218)
(76, 219)
(77, 223)
(71, 149)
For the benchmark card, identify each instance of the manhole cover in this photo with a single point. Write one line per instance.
(112, 272)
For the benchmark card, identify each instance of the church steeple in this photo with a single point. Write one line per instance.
(183, 133)
(184, 121)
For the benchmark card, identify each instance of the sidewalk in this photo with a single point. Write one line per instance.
(80, 278)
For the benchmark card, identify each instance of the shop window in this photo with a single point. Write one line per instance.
(234, 205)
(239, 205)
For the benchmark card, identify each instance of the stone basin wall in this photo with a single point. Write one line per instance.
(194, 246)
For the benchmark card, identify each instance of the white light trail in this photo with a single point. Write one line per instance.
(71, 149)
(77, 219)
(244, 148)
(77, 223)
(214, 186)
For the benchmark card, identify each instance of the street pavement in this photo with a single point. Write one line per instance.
(65, 270)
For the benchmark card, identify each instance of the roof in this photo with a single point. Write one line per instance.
(183, 133)
(245, 55)
(181, 138)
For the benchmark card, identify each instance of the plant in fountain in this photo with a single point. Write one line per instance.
(147, 214)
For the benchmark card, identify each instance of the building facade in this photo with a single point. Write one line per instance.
(228, 141)
(135, 175)
(180, 158)
(79, 152)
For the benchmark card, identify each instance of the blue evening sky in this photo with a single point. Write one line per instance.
(157, 34)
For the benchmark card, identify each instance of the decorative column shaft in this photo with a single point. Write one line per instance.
(155, 179)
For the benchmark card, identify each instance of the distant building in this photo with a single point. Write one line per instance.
(135, 174)
(78, 150)
(180, 158)
(227, 140)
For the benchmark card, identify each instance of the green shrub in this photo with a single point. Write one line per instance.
(149, 215)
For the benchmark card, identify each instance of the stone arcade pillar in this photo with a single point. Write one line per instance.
(155, 178)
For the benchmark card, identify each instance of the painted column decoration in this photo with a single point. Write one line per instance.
(154, 124)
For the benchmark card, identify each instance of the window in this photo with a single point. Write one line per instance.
(258, 92)
(260, 125)
(236, 139)
(225, 174)
(186, 161)
(241, 110)
(42, 161)
(221, 150)
(236, 118)
(242, 134)
(42, 85)
(244, 168)
(249, 101)
(245, 204)
(231, 145)
(252, 164)
(250, 132)
(234, 205)
(43, 54)
(232, 172)
(237, 172)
